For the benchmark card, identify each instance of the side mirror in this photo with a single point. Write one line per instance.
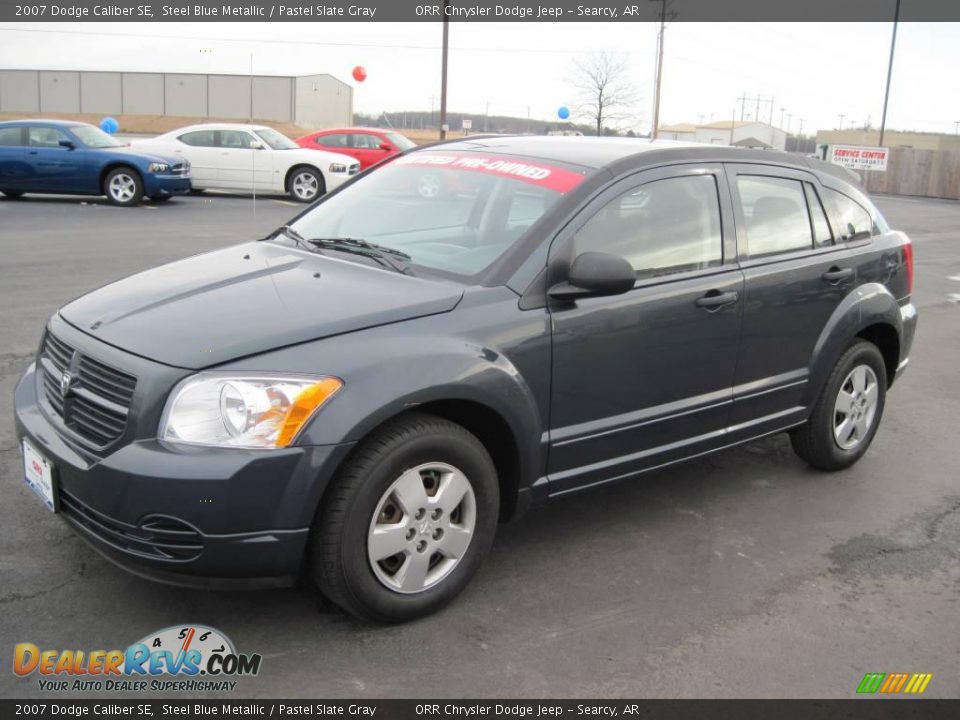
(595, 274)
(386, 146)
(68, 144)
(256, 145)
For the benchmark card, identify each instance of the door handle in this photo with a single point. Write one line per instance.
(836, 275)
(714, 300)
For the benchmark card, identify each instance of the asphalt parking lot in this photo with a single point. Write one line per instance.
(742, 574)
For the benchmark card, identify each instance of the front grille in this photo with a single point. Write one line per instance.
(353, 169)
(156, 536)
(97, 398)
(180, 168)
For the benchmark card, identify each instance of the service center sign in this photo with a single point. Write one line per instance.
(855, 157)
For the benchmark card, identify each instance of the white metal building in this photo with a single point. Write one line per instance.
(312, 101)
(727, 132)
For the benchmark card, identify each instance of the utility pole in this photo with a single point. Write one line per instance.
(886, 93)
(800, 131)
(782, 110)
(443, 72)
(841, 116)
(789, 118)
(659, 82)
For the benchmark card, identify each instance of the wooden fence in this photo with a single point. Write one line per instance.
(925, 173)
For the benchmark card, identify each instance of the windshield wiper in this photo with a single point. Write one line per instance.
(299, 239)
(386, 256)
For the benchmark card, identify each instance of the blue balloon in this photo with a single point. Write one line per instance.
(563, 112)
(109, 125)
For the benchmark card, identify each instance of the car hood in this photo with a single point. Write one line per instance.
(248, 299)
(143, 154)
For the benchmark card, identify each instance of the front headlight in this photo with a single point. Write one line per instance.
(338, 168)
(246, 411)
(158, 167)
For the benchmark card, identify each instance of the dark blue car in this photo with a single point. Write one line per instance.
(73, 158)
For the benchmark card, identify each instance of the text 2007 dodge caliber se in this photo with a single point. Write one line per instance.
(362, 395)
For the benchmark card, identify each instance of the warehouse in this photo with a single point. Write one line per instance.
(309, 101)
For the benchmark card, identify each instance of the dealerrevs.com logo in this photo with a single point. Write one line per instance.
(181, 658)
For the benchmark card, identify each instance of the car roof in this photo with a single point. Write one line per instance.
(41, 122)
(622, 153)
(357, 128)
(219, 126)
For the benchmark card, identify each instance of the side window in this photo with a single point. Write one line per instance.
(44, 137)
(818, 218)
(364, 141)
(775, 213)
(10, 136)
(662, 227)
(235, 139)
(854, 221)
(334, 141)
(199, 138)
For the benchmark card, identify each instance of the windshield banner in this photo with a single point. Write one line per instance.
(546, 176)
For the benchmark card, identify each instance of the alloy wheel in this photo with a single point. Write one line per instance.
(856, 407)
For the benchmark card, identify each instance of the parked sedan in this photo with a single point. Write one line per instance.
(72, 158)
(254, 158)
(367, 145)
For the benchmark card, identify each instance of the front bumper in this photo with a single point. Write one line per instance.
(202, 517)
(166, 185)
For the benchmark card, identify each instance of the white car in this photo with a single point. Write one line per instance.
(254, 158)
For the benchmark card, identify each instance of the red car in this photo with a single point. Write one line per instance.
(368, 145)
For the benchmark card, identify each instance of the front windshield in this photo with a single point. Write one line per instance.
(275, 140)
(401, 142)
(93, 137)
(452, 212)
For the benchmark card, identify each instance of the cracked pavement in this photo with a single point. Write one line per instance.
(741, 574)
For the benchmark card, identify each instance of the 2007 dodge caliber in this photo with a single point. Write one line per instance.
(361, 396)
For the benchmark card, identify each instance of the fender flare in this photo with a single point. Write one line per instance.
(868, 304)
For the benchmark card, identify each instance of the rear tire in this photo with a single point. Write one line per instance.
(123, 187)
(380, 506)
(847, 413)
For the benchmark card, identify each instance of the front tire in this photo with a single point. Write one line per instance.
(407, 522)
(123, 187)
(306, 184)
(847, 413)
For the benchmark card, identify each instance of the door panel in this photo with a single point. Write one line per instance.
(644, 378)
(55, 168)
(788, 298)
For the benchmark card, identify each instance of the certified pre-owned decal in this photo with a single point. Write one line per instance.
(548, 176)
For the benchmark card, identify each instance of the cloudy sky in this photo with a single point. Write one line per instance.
(813, 71)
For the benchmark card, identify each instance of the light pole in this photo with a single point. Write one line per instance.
(782, 110)
(443, 72)
(659, 81)
(841, 116)
(800, 131)
(886, 93)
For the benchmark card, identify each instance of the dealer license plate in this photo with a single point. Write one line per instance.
(38, 472)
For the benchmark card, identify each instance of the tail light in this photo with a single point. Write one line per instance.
(908, 257)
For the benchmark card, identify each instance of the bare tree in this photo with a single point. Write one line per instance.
(602, 81)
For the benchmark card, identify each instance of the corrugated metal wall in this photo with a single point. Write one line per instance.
(316, 100)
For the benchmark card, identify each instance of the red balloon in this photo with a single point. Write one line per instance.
(359, 73)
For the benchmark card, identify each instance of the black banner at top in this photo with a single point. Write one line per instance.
(477, 10)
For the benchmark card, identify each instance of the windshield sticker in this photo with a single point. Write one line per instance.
(547, 176)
